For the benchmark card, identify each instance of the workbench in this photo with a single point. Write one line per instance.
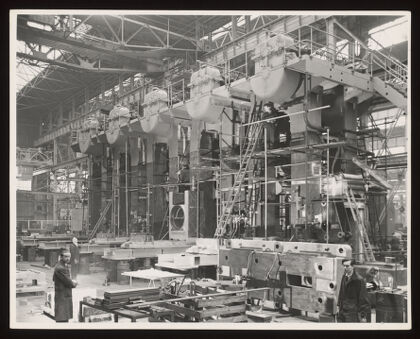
(154, 313)
(152, 275)
(116, 313)
(194, 271)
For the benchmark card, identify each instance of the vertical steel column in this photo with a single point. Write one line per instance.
(126, 187)
(198, 205)
(328, 174)
(266, 184)
(234, 27)
(305, 107)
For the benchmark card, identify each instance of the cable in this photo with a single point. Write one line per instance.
(272, 265)
(248, 266)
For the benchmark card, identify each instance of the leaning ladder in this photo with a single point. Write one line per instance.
(100, 220)
(227, 206)
(367, 247)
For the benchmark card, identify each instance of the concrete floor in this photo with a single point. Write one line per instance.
(29, 309)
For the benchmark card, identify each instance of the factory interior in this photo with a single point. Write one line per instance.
(211, 168)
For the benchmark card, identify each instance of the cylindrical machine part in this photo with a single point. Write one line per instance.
(202, 106)
(118, 117)
(271, 81)
(157, 119)
(85, 134)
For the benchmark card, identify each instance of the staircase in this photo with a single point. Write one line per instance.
(372, 172)
(100, 220)
(393, 83)
(364, 237)
(254, 131)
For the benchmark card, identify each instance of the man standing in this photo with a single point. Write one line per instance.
(63, 299)
(75, 257)
(278, 130)
(353, 302)
(269, 113)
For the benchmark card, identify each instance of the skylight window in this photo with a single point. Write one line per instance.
(389, 34)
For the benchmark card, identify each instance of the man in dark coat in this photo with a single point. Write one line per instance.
(75, 258)
(278, 130)
(353, 302)
(63, 284)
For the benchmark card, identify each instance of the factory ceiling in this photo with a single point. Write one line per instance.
(93, 50)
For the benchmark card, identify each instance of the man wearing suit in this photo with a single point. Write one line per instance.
(63, 284)
(353, 302)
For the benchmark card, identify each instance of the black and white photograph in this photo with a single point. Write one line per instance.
(210, 169)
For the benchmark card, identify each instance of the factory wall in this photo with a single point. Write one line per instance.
(27, 131)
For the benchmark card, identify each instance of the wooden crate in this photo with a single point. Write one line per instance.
(219, 309)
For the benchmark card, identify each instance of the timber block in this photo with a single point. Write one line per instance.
(259, 316)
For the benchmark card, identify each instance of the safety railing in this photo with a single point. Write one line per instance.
(228, 73)
(351, 53)
(178, 91)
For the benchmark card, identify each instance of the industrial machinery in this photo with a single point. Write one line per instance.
(182, 215)
(302, 276)
(118, 117)
(86, 136)
(156, 120)
(273, 82)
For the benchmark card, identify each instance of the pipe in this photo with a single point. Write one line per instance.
(308, 123)
(305, 116)
(337, 154)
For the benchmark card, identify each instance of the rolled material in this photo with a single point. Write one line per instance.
(352, 176)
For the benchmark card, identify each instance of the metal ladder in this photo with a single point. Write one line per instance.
(100, 220)
(367, 247)
(227, 206)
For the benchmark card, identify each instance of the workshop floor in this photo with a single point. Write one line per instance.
(29, 308)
